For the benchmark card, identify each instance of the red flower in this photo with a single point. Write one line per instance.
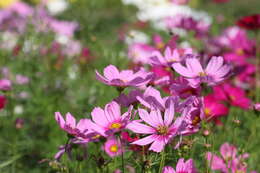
(250, 22)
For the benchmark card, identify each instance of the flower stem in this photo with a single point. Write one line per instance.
(122, 155)
(162, 161)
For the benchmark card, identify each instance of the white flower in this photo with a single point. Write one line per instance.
(57, 6)
(136, 37)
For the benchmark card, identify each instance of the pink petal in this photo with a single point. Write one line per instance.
(59, 119)
(168, 169)
(99, 117)
(215, 162)
(112, 111)
(70, 120)
(111, 72)
(146, 140)
(158, 144)
(137, 127)
(146, 117)
(182, 70)
(214, 64)
(194, 65)
(157, 117)
(101, 78)
(169, 114)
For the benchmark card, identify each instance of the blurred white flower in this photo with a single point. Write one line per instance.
(135, 36)
(18, 109)
(56, 6)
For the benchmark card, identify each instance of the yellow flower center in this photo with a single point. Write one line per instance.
(162, 130)
(115, 126)
(96, 137)
(159, 45)
(6, 3)
(196, 120)
(114, 148)
(207, 111)
(240, 51)
(202, 74)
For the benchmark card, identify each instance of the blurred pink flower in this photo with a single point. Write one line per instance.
(140, 52)
(21, 80)
(229, 160)
(181, 167)
(5, 84)
(160, 130)
(2, 101)
(113, 147)
(125, 78)
(215, 72)
(180, 2)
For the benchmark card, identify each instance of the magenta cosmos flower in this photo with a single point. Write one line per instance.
(69, 125)
(160, 129)
(109, 120)
(125, 78)
(113, 147)
(214, 73)
(181, 167)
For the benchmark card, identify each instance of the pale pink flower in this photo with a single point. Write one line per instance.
(114, 77)
(69, 125)
(109, 120)
(21, 79)
(160, 129)
(215, 72)
(181, 167)
(140, 52)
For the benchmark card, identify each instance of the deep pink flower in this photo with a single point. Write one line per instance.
(215, 72)
(113, 77)
(109, 120)
(213, 108)
(113, 147)
(5, 84)
(169, 57)
(234, 95)
(181, 167)
(229, 160)
(2, 102)
(80, 129)
(160, 130)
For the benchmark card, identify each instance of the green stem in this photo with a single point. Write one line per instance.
(162, 161)
(122, 155)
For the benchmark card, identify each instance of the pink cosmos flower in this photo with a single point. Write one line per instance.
(214, 73)
(69, 125)
(160, 130)
(229, 160)
(181, 167)
(163, 75)
(170, 57)
(109, 120)
(113, 77)
(152, 99)
(5, 84)
(180, 87)
(113, 147)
